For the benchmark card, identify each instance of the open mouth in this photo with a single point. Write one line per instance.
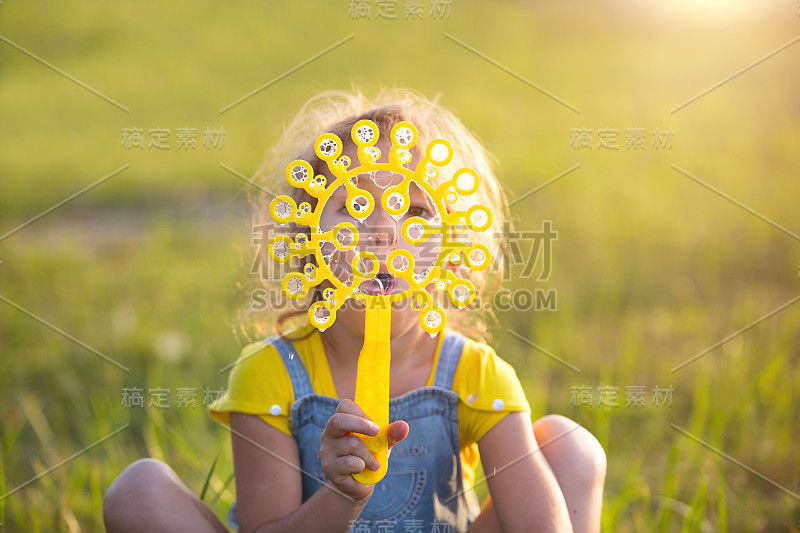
(382, 283)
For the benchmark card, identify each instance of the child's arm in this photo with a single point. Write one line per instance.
(269, 484)
(269, 479)
(524, 490)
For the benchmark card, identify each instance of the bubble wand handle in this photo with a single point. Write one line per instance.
(372, 388)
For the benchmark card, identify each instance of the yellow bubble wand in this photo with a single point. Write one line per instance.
(372, 379)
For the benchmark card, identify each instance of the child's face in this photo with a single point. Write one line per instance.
(379, 233)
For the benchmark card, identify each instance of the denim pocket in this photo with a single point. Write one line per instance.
(396, 495)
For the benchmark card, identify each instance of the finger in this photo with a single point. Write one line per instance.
(340, 470)
(351, 407)
(344, 480)
(398, 430)
(351, 464)
(354, 446)
(343, 469)
(341, 424)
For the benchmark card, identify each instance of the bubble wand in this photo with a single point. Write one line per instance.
(372, 378)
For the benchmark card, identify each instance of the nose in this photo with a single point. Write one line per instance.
(382, 229)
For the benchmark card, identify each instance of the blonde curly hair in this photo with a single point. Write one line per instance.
(336, 112)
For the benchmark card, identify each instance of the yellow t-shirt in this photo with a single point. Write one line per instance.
(259, 384)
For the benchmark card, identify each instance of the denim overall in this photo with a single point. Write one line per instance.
(425, 473)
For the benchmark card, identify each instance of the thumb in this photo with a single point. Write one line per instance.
(397, 431)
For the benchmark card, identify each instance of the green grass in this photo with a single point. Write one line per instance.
(651, 268)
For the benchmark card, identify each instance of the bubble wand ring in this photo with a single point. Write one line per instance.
(372, 378)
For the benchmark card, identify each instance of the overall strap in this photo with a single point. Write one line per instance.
(294, 365)
(449, 355)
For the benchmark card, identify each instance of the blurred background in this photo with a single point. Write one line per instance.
(675, 207)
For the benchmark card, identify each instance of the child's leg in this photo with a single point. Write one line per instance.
(579, 465)
(149, 496)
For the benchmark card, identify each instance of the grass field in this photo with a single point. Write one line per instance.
(651, 266)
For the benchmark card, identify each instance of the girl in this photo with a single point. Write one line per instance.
(290, 407)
